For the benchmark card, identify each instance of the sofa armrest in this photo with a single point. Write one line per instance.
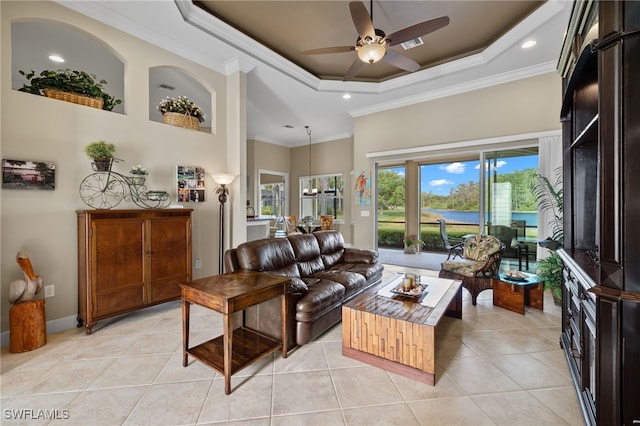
(354, 255)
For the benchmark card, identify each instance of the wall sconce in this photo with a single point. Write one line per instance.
(222, 179)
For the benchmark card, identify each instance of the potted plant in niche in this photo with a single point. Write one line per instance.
(101, 153)
(69, 85)
(139, 175)
(181, 112)
(549, 197)
(412, 244)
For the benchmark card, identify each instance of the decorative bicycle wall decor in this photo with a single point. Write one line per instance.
(105, 190)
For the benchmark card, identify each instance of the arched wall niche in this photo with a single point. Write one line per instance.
(33, 41)
(171, 81)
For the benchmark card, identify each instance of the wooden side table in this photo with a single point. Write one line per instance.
(230, 293)
(515, 295)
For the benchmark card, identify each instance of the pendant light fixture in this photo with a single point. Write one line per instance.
(309, 190)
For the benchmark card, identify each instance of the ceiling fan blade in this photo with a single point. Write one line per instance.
(324, 50)
(397, 60)
(417, 30)
(361, 20)
(355, 69)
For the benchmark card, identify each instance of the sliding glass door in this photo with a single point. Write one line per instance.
(391, 206)
(449, 191)
(511, 211)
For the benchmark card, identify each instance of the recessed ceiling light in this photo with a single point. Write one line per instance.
(346, 96)
(56, 58)
(528, 44)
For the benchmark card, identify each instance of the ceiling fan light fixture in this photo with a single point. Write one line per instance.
(371, 53)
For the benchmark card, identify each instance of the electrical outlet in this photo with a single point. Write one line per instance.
(198, 264)
(49, 291)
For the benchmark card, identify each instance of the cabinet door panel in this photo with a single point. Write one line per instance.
(170, 244)
(118, 273)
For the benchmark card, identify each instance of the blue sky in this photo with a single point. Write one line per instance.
(440, 178)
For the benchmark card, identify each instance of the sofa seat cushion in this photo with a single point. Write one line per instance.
(321, 296)
(368, 271)
(352, 281)
(465, 267)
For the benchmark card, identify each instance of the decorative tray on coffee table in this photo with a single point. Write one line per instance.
(514, 276)
(416, 292)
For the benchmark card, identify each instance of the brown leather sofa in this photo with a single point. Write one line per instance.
(324, 274)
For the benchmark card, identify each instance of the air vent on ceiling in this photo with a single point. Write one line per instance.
(165, 86)
(412, 43)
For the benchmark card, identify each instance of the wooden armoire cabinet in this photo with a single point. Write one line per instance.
(600, 64)
(130, 259)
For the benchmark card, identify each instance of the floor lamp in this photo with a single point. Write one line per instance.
(222, 179)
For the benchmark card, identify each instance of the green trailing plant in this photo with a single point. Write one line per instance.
(67, 80)
(100, 150)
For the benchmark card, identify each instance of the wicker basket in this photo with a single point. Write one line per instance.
(181, 120)
(74, 98)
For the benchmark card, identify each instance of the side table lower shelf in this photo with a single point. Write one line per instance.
(248, 346)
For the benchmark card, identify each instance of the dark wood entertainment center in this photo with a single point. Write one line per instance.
(600, 64)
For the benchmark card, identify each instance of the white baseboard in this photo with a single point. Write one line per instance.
(53, 326)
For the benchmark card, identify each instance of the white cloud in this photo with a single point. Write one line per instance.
(440, 182)
(493, 167)
(455, 168)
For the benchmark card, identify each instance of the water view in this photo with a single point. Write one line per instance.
(531, 218)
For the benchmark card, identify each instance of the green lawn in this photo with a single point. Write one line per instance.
(391, 230)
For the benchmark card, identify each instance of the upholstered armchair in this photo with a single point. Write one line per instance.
(482, 255)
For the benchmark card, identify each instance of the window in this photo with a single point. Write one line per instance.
(322, 195)
(272, 189)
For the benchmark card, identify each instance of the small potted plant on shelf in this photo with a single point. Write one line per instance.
(181, 112)
(69, 85)
(101, 153)
(139, 174)
(412, 244)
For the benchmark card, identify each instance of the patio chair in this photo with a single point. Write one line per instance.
(481, 261)
(454, 245)
(508, 236)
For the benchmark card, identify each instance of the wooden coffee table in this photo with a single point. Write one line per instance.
(398, 333)
(515, 295)
(227, 294)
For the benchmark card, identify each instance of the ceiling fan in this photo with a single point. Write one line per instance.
(372, 42)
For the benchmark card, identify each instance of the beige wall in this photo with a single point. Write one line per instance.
(327, 158)
(521, 107)
(265, 156)
(43, 223)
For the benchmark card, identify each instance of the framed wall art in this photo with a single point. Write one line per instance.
(362, 188)
(21, 174)
(190, 181)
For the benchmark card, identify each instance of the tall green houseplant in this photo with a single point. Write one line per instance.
(549, 197)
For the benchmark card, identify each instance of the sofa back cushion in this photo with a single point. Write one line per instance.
(331, 245)
(480, 247)
(307, 254)
(268, 255)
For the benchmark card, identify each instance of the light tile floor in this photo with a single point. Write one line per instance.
(494, 368)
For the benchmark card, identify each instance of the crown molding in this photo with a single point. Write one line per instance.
(475, 144)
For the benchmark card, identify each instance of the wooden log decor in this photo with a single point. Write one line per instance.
(27, 326)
